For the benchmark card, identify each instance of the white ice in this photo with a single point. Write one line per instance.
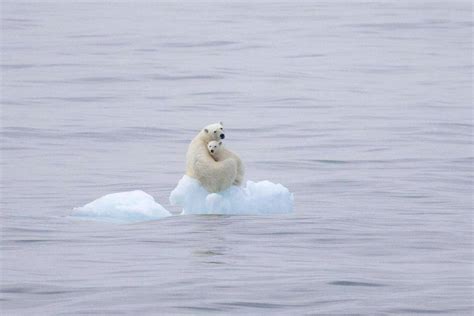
(125, 207)
(255, 198)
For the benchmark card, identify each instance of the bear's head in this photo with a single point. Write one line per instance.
(214, 148)
(214, 132)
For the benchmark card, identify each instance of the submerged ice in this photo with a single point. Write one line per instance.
(255, 198)
(132, 206)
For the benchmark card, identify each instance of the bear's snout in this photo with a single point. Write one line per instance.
(212, 150)
(222, 136)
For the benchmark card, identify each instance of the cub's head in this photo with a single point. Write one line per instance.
(214, 131)
(214, 147)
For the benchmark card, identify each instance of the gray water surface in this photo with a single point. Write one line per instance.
(362, 109)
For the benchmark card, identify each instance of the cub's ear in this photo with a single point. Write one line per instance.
(221, 123)
(206, 130)
(220, 143)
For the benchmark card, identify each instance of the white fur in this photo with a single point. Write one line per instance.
(219, 153)
(215, 176)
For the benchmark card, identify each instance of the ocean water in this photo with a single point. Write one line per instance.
(363, 109)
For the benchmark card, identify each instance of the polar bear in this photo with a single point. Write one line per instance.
(215, 176)
(219, 152)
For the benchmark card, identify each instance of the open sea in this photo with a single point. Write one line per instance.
(363, 109)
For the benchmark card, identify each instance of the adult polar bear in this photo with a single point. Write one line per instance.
(215, 176)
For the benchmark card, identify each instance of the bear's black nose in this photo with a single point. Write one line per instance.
(212, 150)
(222, 136)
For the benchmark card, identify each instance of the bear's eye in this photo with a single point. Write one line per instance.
(215, 132)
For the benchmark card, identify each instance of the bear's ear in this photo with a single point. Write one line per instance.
(221, 123)
(206, 130)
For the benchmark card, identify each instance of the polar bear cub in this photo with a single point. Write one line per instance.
(219, 153)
